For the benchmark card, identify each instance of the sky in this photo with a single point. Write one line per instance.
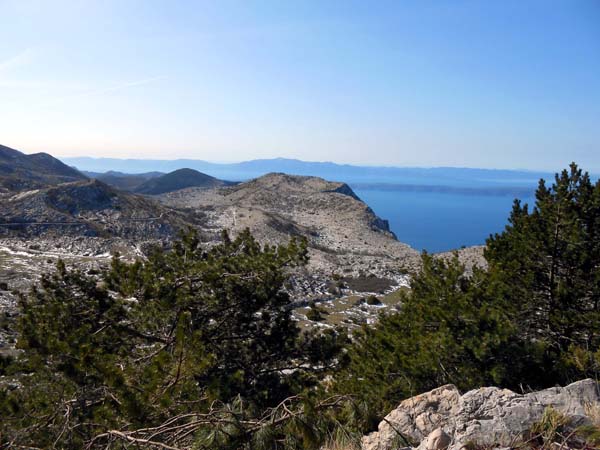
(507, 84)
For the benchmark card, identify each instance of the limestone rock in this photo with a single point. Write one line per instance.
(437, 440)
(415, 418)
(488, 416)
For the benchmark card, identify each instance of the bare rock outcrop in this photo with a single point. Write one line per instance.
(470, 257)
(489, 416)
(343, 233)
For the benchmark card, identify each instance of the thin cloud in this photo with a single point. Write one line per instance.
(119, 87)
(23, 58)
(49, 102)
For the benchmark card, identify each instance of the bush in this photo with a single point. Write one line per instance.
(373, 300)
(316, 313)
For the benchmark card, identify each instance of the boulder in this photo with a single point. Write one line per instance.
(488, 416)
(438, 439)
(414, 419)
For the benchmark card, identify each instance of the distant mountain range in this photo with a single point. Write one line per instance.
(405, 176)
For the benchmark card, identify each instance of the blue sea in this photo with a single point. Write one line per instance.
(440, 221)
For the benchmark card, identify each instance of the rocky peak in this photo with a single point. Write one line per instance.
(284, 183)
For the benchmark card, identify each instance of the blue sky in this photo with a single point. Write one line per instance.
(507, 84)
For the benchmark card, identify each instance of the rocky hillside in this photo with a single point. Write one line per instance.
(468, 256)
(88, 208)
(19, 171)
(178, 179)
(490, 418)
(344, 234)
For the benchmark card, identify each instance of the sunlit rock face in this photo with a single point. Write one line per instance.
(489, 417)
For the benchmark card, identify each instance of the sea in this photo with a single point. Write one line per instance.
(440, 221)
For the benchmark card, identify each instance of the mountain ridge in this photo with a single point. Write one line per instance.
(178, 179)
(19, 171)
(124, 181)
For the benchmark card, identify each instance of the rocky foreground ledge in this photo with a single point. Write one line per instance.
(485, 418)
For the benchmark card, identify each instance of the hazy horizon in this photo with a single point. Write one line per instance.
(388, 166)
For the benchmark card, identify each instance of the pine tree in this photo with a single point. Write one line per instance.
(550, 257)
(451, 328)
(195, 333)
